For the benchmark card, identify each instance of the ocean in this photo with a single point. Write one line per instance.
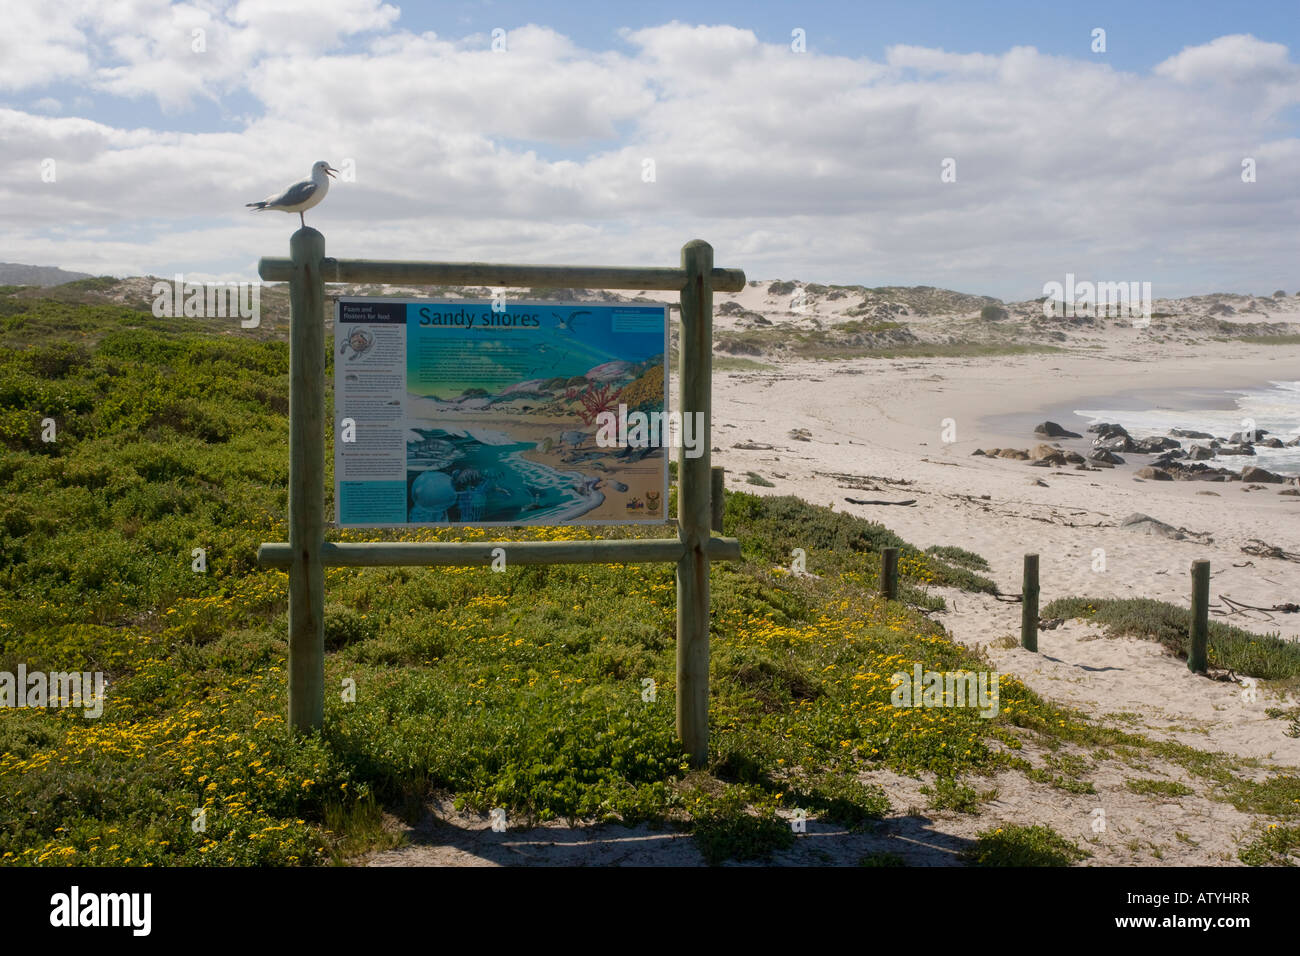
(1274, 407)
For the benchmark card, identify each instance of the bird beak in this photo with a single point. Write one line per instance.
(330, 171)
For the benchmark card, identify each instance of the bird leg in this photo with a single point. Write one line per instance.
(302, 220)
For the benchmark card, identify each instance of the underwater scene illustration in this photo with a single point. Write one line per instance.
(503, 413)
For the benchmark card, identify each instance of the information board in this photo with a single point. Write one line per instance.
(453, 412)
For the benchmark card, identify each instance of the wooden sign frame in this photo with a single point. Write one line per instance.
(306, 554)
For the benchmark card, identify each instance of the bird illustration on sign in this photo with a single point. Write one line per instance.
(563, 324)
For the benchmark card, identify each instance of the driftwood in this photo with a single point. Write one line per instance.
(1229, 676)
(1237, 607)
(1265, 550)
(861, 482)
(982, 502)
(866, 501)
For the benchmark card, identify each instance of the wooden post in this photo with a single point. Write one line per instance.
(1198, 648)
(889, 573)
(1029, 605)
(693, 517)
(306, 482)
(717, 498)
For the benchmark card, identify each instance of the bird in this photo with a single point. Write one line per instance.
(566, 325)
(300, 196)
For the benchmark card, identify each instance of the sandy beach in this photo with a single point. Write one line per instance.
(883, 419)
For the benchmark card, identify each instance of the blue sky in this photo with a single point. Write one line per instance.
(821, 165)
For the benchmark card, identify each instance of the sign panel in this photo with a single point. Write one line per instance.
(462, 414)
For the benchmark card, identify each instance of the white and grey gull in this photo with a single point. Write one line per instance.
(300, 196)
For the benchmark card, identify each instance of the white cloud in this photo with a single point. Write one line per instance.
(41, 43)
(309, 26)
(171, 52)
(539, 90)
(1240, 58)
(927, 60)
(793, 164)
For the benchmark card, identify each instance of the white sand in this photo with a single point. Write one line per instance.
(886, 421)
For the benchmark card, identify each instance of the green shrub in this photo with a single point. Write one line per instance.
(729, 830)
(1274, 846)
(345, 625)
(842, 800)
(959, 556)
(1013, 845)
(948, 794)
(774, 524)
(1163, 788)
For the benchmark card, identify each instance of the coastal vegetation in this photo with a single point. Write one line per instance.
(859, 339)
(524, 691)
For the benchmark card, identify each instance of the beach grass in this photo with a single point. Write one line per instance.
(1014, 845)
(958, 556)
(1275, 845)
(731, 363)
(885, 340)
(1265, 339)
(1163, 788)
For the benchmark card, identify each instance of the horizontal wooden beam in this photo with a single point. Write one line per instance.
(500, 275)
(371, 554)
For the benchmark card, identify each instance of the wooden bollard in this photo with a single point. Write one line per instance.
(889, 573)
(693, 510)
(306, 482)
(717, 497)
(1198, 648)
(1029, 605)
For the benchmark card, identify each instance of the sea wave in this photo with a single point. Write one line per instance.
(1274, 408)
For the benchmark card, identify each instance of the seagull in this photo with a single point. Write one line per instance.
(566, 325)
(300, 196)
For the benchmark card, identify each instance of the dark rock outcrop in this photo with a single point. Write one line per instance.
(1150, 446)
(1252, 473)
(1102, 428)
(1239, 438)
(1223, 450)
(1053, 430)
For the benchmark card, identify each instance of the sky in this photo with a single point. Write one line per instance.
(990, 149)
